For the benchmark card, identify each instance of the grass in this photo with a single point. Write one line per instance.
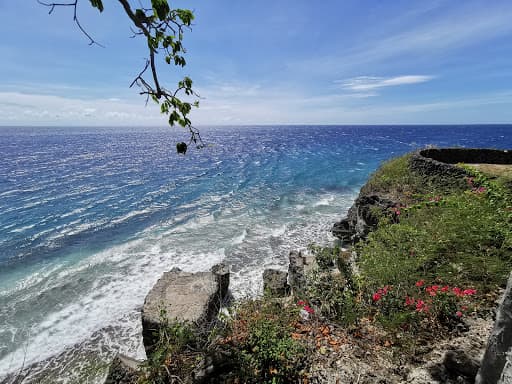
(502, 171)
(452, 237)
(445, 236)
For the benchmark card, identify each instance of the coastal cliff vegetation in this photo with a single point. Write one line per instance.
(432, 265)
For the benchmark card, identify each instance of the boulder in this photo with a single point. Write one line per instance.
(194, 298)
(457, 363)
(123, 370)
(275, 283)
(343, 230)
(496, 366)
(296, 277)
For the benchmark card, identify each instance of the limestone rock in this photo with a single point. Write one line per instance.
(458, 363)
(296, 277)
(343, 230)
(496, 365)
(123, 370)
(361, 217)
(183, 296)
(275, 283)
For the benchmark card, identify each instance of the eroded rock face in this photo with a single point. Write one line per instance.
(123, 370)
(296, 277)
(183, 296)
(361, 218)
(496, 366)
(275, 283)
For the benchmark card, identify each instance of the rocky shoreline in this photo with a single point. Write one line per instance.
(479, 353)
(197, 299)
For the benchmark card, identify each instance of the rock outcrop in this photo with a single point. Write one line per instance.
(435, 165)
(194, 298)
(123, 370)
(496, 365)
(296, 277)
(275, 283)
(362, 217)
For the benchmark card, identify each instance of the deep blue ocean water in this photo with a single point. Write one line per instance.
(91, 217)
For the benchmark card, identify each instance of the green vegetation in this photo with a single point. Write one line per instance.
(395, 180)
(335, 292)
(175, 355)
(261, 342)
(446, 236)
(437, 257)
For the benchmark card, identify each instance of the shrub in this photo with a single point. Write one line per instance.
(432, 306)
(335, 294)
(260, 336)
(174, 356)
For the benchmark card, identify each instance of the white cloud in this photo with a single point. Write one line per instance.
(40, 109)
(262, 105)
(368, 83)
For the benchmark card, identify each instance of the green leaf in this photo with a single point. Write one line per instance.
(97, 4)
(185, 15)
(161, 8)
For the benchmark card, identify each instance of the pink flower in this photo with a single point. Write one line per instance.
(385, 289)
(376, 296)
(445, 288)
(420, 283)
(421, 306)
(469, 292)
(409, 301)
(458, 291)
(458, 314)
(308, 309)
(432, 291)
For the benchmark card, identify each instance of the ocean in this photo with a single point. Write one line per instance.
(91, 217)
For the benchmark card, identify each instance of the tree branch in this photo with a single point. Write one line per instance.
(73, 4)
(163, 29)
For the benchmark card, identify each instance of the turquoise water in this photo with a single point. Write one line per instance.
(91, 217)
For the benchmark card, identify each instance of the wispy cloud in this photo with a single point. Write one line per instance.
(225, 105)
(448, 32)
(40, 109)
(368, 83)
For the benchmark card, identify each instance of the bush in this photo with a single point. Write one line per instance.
(335, 294)
(260, 336)
(175, 354)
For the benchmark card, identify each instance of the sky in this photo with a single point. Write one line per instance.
(266, 62)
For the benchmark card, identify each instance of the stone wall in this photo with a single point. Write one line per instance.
(468, 155)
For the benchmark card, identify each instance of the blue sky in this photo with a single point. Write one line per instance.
(268, 62)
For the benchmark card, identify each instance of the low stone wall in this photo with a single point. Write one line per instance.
(441, 161)
(468, 155)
